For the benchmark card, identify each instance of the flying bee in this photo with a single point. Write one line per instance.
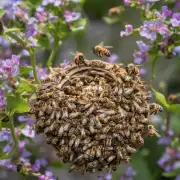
(152, 131)
(101, 50)
(79, 58)
(155, 108)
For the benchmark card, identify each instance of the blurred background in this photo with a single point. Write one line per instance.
(167, 81)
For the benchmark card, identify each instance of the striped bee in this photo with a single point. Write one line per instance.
(78, 58)
(101, 50)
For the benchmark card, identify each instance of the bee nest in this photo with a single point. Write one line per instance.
(95, 115)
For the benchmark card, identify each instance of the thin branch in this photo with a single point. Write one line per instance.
(33, 63)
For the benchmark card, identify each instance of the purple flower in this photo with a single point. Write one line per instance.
(11, 8)
(32, 30)
(22, 14)
(175, 21)
(21, 144)
(176, 51)
(33, 41)
(42, 73)
(7, 163)
(2, 98)
(165, 158)
(108, 176)
(4, 42)
(64, 63)
(130, 172)
(54, 2)
(7, 148)
(70, 16)
(127, 2)
(113, 58)
(41, 16)
(164, 140)
(10, 67)
(142, 71)
(151, 28)
(24, 52)
(141, 55)
(26, 119)
(5, 135)
(25, 153)
(28, 131)
(128, 30)
(165, 12)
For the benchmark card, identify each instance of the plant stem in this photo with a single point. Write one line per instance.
(52, 55)
(33, 63)
(11, 119)
(15, 37)
(154, 68)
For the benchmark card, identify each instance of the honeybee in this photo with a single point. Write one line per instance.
(72, 140)
(19, 167)
(152, 131)
(101, 50)
(155, 108)
(132, 69)
(111, 158)
(79, 58)
(98, 151)
(130, 149)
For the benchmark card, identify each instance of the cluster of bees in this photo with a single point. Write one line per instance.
(95, 114)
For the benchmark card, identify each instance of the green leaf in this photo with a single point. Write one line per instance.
(35, 2)
(174, 108)
(12, 30)
(2, 12)
(141, 167)
(56, 164)
(43, 41)
(160, 97)
(2, 117)
(24, 70)
(79, 25)
(111, 20)
(172, 173)
(25, 86)
(17, 104)
(3, 156)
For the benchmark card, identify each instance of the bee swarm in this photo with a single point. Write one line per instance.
(95, 114)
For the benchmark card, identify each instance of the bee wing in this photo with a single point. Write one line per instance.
(102, 43)
(108, 47)
(157, 134)
(72, 53)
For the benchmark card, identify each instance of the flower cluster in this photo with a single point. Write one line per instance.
(166, 139)
(170, 160)
(160, 27)
(2, 98)
(128, 174)
(25, 155)
(9, 67)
